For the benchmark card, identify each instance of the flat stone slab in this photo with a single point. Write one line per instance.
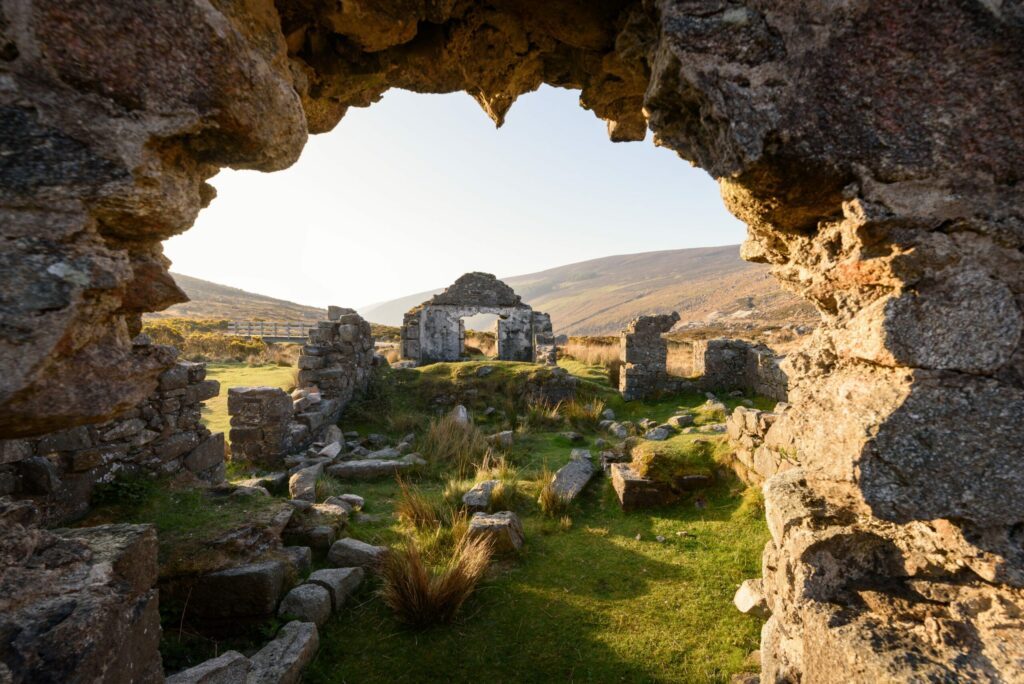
(636, 492)
(479, 497)
(339, 582)
(231, 667)
(571, 478)
(372, 469)
(282, 660)
(244, 591)
(352, 553)
(503, 529)
(307, 603)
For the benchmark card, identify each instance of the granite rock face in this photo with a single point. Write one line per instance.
(873, 148)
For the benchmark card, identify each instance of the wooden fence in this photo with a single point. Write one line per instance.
(289, 330)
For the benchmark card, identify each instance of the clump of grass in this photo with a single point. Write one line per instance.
(751, 504)
(565, 523)
(542, 416)
(454, 489)
(673, 459)
(505, 495)
(327, 486)
(551, 503)
(404, 422)
(453, 445)
(414, 508)
(582, 415)
(422, 594)
(708, 413)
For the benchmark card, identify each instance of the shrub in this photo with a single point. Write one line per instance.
(421, 594)
(450, 443)
(583, 415)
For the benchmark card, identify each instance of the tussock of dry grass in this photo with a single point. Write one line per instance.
(551, 503)
(582, 415)
(423, 594)
(414, 508)
(542, 416)
(449, 443)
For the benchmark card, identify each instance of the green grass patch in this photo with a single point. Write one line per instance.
(674, 458)
(215, 411)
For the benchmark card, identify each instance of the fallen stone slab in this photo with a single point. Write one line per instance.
(354, 500)
(657, 434)
(636, 492)
(373, 468)
(352, 553)
(331, 450)
(504, 530)
(680, 421)
(282, 660)
(339, 582)
(302, 485)
(307, 603)
(504, 438)
(231, 667)
(479, 497)
(385, 453)
(571, 478)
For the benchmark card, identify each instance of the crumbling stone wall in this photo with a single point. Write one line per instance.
(644, 355)
(873, 148)
(161, 436)
(725, 364)
(434, 331)
(759, 452)
(335, 365)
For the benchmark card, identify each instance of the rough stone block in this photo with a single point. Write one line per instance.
(245, 591)
(307, 603)
(340, 582)
(571, 478)
(209, 454)
(282, 660)
(352, 553)
(230, 667)
(479, 497)
(504, 530)
(302, 485)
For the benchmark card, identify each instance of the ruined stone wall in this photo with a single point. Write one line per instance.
(644, 355)
(545, 349)
(872, 147)
(758, 453)
(335, 365)
(161, 436)
(725, 364)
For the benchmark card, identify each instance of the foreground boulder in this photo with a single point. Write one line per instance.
(504, 530)
(572, 478)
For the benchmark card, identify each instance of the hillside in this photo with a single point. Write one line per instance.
(601, 295)
(213, 301)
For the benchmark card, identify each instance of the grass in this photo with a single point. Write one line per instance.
(215, 411)
(674, 458)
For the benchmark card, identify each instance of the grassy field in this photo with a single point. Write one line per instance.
(593, 596)
(215, 411)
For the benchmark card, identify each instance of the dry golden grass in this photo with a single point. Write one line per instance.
(423, 594)
(592, 354)
(542, 416)
(393, 355)
(456, 446)
(414, 508)
(582, 415)
(551, 503)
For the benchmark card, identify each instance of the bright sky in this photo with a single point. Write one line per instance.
(408, 194)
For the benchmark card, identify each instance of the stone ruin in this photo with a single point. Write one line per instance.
(335, 364)
(719, 365)
(434, 331)
(161, 436)
(882, 187)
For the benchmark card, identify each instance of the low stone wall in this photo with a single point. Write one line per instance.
(336, 362)
(161, 436)
(725, 364)
(760, 444)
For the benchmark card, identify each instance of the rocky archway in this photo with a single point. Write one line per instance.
(873, 147)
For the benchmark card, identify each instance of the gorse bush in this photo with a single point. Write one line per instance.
(450, 444)
(422, 594)
(207, 340)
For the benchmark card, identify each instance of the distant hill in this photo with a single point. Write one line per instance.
(600, 296)
(213, 301)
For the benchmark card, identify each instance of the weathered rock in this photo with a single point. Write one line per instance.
(608, 414)
(372, 469)
(504, 438)
(282, 660)
(339, 582)
(658, 434)
(302, 485)
(251, 590)
(231, 667)
(479, 497)
(352, 553)
(306, 603)
(461, 415)
(300, 558)
(618, 430)
(332, 450)
(680, 421)
(749, 598)
(570, 480)
(357, 502)
(636, 492)
(503, 530)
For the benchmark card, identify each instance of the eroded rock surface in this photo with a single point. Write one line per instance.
(873, 148)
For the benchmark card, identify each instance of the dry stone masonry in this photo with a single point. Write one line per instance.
(644, 355)
(161, 436)
(434, 330)
(729, 365)
(872, 147)
(336, 362)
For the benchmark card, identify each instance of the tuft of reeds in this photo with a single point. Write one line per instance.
(540, 415)
(456, 446)
(423, 594)
(582, 415)
(414, 508)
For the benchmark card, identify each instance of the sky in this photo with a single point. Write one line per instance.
(410, 193)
